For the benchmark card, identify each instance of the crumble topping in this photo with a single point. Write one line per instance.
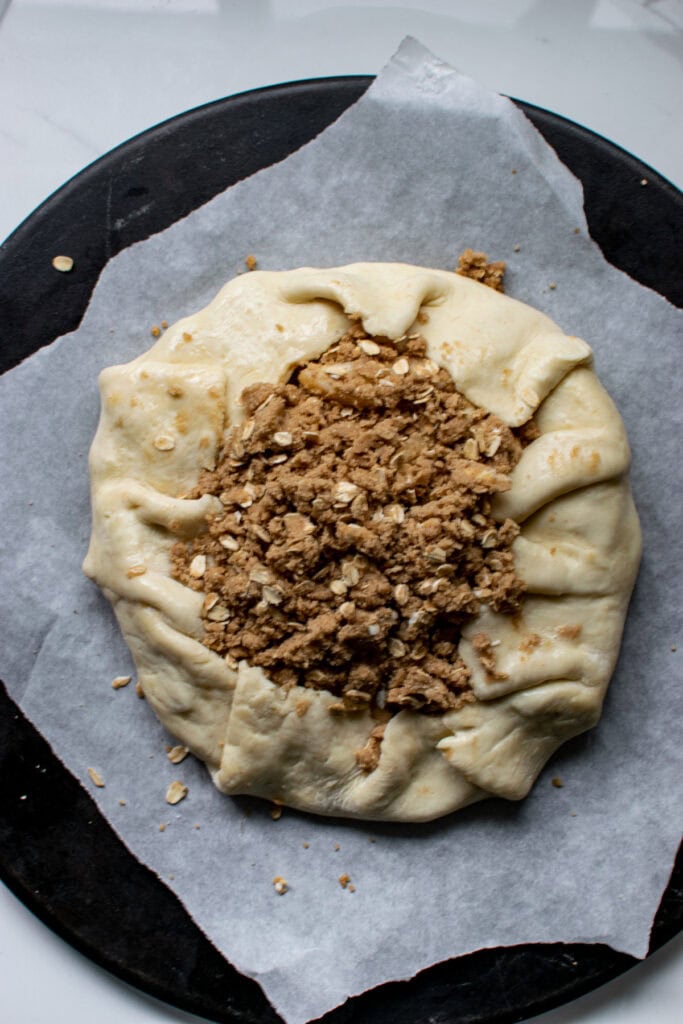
(476, 265)
(355, 536)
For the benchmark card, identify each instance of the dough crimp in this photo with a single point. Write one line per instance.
(163, 420)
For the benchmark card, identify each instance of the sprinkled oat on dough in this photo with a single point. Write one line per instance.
(356, 536)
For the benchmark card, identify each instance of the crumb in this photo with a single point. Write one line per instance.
(177, 754)
(674, 648)
(570, 632)
(577, 231)
(139, 691)
(136, 570)
(164, 324)
(276, 812)
(552, 286)
(367, 757)
(485, 651)
(475, 265)
(162, 827)
(63, 264)
(122, 803)
(423, 317)
(155, 331)
(643, 181)
(176, 792)
(196, 826)
(96, 778)
(280, 885)
(337, 847)
(516, 247)
(513, 171)
(120, 681)
(344, 880)
(171, 877)
(351, 887)
(557, 782)
(306, 845)
(250, 262)
(371, 839)
(529, 643)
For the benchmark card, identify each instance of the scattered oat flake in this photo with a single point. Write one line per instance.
(250, 262)
(177, 754)
(344, 880)
(557, 782)
(280, 885)
(371, 348)
(63, 264)
(198, 566)
(176, 792)
(96, 778)
(401, 367)
(120, 682)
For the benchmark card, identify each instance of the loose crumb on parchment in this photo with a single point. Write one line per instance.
(96, 778)
(176, 792)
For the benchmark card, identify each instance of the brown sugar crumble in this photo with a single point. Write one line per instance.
(484, 648)
(355, 536)
(475, 265)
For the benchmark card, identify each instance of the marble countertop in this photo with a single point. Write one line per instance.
(78, 77)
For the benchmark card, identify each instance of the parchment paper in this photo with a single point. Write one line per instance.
(419, 169)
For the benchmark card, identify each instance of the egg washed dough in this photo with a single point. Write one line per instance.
(163, 420)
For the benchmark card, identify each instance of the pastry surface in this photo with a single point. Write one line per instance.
(534, 678)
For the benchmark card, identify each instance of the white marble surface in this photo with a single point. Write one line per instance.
(79, 77)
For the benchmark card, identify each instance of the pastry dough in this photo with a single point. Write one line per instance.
(163, 419)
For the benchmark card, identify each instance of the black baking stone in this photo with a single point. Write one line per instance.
(57, 853)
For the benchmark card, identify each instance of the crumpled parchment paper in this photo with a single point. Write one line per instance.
(420, 168)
